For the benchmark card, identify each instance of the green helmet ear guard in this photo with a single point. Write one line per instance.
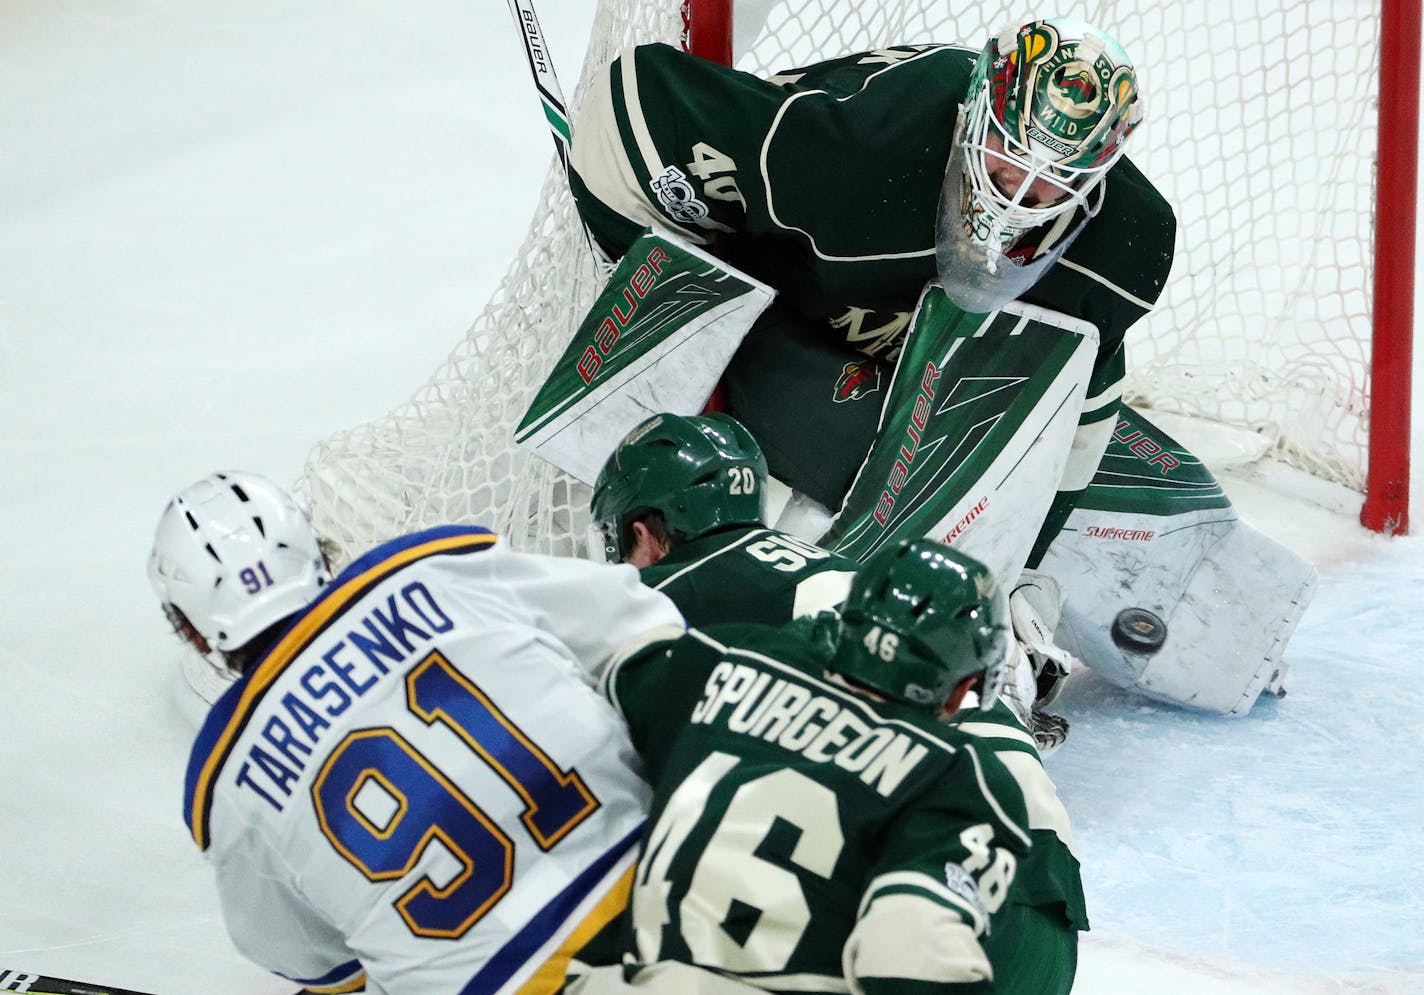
(919, 619)
(702, 472)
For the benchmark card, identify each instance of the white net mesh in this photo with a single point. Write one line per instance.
(1260, 131)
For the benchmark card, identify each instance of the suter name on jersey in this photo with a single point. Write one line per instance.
(376, 646)
(750, 702)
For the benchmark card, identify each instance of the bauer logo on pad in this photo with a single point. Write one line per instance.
(657, 339)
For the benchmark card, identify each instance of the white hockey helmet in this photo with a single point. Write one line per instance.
(1049, 109)
(234, 553)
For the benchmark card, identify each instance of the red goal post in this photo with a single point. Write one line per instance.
(1386, 507)
(1288, 312)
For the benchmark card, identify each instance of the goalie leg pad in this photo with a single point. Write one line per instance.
(974, 435)
(1230, 598)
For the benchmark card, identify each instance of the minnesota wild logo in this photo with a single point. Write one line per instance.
(1072, 90)
(1072, 86)
(856, 380)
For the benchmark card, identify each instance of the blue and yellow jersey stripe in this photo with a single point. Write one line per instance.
(348, 977)
(524, 945)
(230, 715)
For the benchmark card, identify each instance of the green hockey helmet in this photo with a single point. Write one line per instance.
(702, 472)
(919, 619)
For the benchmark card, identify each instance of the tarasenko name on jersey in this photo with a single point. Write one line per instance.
(356, 655)
(751, 702)
(354, 659)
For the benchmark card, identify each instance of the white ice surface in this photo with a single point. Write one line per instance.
(228, 229)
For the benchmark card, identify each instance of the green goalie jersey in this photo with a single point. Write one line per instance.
(824, 182)
(794, 822)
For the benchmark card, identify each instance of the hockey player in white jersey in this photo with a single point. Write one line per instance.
(411, 786)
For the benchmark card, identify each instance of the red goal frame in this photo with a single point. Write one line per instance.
(1386, 507)
(1386, 501)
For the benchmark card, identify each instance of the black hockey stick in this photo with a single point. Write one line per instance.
(38, 984)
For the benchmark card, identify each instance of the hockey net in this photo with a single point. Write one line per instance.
(1260, 130)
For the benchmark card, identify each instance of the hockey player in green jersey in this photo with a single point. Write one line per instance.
(673, 468)
(851, 184)
(891, 198)
(815, 822)
(684, 500)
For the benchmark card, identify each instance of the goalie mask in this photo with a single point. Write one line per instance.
(702, 472)
(233, 555)
(1047, 113)
(919, 619)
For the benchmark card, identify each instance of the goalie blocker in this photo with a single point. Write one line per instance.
(656, 339)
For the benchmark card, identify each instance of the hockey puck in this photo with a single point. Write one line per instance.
(1138, 630)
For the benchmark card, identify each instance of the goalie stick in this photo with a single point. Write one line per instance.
(551, 97)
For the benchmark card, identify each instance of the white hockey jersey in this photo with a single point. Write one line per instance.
(417, 789)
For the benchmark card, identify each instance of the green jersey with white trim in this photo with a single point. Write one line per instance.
(787, 808)
(750, 574)
(1050, 877)
(824, 183)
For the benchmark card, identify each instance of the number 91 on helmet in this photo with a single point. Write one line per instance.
(234, 555)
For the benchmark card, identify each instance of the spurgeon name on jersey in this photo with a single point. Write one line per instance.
(789, 813)
(746, 701)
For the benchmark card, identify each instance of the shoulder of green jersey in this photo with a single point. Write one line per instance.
(643, 135)
(992, 798)
(607, 682)
(810, 238)
(997, 731)
(735, 542)
(766, 175)
(1096, 277)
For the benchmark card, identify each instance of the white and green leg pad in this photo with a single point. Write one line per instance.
(1169, 593)
(975, 433)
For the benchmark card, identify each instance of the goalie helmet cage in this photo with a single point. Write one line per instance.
(1263, 121)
